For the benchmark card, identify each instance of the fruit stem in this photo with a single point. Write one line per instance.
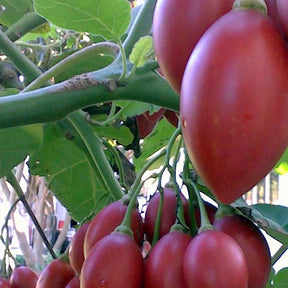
(224, 210)
(125, 226)
(257, 5)
(278, 254)
(205, 222)
(180, 219)
(158, 217)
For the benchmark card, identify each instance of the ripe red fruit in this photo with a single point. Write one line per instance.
(214, 260)
(177, 27)
(282, 9)
(253, 244)
(145, 126)
(4, 283)
(56, 274)
(231, 103)
(23, 277)
(74, 282)
(164, 265)
(107, 220)
(172, 117)
(168, 216)
(114, 261)
(155, 116)
(76, 250)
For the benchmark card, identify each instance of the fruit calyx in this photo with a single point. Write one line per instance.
(257, 5)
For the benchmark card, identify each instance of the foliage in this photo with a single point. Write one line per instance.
(86, 79)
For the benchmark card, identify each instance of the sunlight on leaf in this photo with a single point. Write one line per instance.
(282, 166)
(142, 51)
(99, 17)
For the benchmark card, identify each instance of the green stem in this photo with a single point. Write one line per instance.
(124, 61)
(278, 254)
(10, 177)
(191, 194)
(105, 48)
(55, 44)
(25, 24)
(22, 63)
(180, 209)
(57, 101)
(158, 217)
(115, 153)
(205, 222)
(166, 165)
(134, 192)
(170, 145)
(94, 146)
(141, 26)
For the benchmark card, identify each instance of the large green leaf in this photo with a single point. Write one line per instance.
(16, 143)
(109, 19)
(14, 10)
(70, 175)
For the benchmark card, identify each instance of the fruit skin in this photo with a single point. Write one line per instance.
(145, 127)
(56, 274)
(74, 282)
(76, 250)
(233, 109)
(177, 27)
(214, 260)
(4, 283)
(172, 117)
(23, 277)
(253, 244)
(168, 216)
(114, 261)
(107, 220)
(163, 267)
(282, 9)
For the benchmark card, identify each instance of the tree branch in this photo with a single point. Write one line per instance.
(55, 102)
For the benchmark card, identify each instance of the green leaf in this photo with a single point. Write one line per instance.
(132, 108)
(109, 19)
(157, 140)
(273, 219)
(282, 166)
(142, 51)
(122, 134)
(8, 91)
(69, 173)
(280, 280)
(14, 10)
(16, 143)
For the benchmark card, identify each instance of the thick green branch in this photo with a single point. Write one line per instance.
(141, 26)
(94, 146)
(27, 23)
(22, 63)
(56, 102)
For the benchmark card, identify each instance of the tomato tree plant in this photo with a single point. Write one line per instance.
(76, 78)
